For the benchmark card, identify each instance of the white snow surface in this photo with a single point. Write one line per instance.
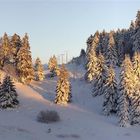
(82, 119)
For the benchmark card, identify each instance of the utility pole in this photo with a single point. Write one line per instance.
(62, 58)
(66, 56)
(58, 59)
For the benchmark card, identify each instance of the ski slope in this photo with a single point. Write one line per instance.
(82, 119)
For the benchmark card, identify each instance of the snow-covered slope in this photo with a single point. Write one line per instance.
(82, 119)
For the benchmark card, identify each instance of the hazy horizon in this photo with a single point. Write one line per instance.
(60, 26)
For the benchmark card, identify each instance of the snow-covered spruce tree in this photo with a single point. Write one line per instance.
(39, 71)
(89, 41)
(81, 59)
(136, 64)
(91, 66)
(136, 36)
(135, 106)
(92, 59)
(126, 91)
(131, 32)
(92, 41)
(15, 43)
(120, 51)
(132, 26)
(4, 50)
(135, 98)
(53, 66)
(110, 93)
(103, 40)
(8, 95)
(119, 41)
(63, 89)
(137, 21)
(24, 62)
(136, 43)
(123, 107)
(100, 78)
(111, 53)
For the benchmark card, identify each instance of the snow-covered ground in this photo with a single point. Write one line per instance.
(82, 119)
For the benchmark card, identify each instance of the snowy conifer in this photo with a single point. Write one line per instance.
(126, 91)
(132, 26)
(123, 107)
(24, 62)
(111, 53)
(136, 64)
(92, 42)
(135, 106)
(135, 98)
(137, 22)
(120, 51)
(53, 66)
(15, 43)
(100, 78)
(103, 40)
(8, 95)
(136, 36)
(110, 93)
(92, 59)
(136, 43)
(63, 89)
(91, 66)
(4, 50)
(39, 71)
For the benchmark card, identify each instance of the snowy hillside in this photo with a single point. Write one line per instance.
(82, 119)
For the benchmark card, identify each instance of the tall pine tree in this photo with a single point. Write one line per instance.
(126, 91)
(110, 93)
(5, 50)
(135, 106)
(111, 53)
(15, 43)
(136, 64)
(92, 42)
(135, 98)
(92, 58)
(100, 78)
(137, 22)
(24, 63)
(53, 66)
(8, 94)
(91, 66)
(136, 36)
(63, 89)
(39, 71)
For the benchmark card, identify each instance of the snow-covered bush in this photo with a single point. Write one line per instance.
(48, 116)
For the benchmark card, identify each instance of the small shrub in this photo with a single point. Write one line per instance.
(48, 116)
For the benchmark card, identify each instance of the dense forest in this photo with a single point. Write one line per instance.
(108, 53)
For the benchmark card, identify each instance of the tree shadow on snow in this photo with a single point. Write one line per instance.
(45, 88)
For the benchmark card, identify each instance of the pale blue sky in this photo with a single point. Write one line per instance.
(56, 26)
